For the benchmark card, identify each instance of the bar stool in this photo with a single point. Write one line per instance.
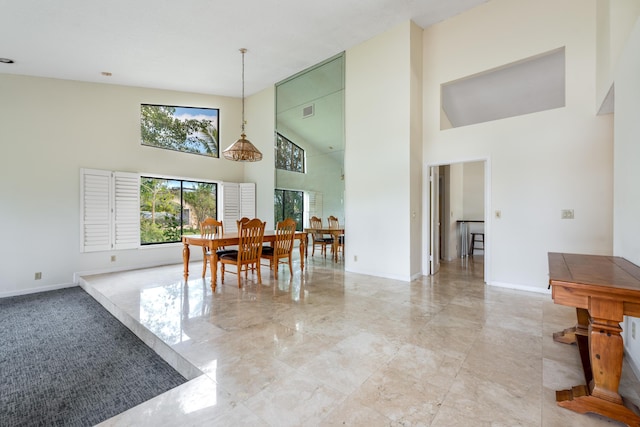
(476, 238)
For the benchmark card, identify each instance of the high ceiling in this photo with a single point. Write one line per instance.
(193, 45)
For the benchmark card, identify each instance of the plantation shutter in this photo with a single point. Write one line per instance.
(110, 210)
(126, 217)
(230, 205)
(248, 200)
(95, 210)
(315, 204)
(238, 200)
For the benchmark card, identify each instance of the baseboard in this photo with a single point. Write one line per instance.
(37, 290)
(520, 287)
(78, 274)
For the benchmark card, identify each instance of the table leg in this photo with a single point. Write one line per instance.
(566, 336)
(303, 252)
(601, 351)
(185, 260)
(582, 339)
(607, 350)
(213, 263)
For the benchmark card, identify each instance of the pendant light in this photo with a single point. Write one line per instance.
(242, 150)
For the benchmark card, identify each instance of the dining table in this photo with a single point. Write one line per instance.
(335, 232)
(229, 239)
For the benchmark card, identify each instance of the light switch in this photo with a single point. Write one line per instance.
(567, 213)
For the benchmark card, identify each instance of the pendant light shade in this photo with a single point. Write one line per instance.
(242, 150)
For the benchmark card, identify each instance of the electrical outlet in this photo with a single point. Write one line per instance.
(38, 275)
(113, 258)
(567, 213)
(355, 258)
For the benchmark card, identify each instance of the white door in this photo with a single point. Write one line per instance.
(434, 252)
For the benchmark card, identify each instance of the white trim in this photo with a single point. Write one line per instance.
(426, 206)
(37, 290)
(520, 287)
(177, 178)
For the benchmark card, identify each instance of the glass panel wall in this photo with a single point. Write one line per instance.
(310, 116)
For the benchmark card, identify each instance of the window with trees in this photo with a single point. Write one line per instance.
(289, 204)
(185, 129)
(170, 208)
(289, 156)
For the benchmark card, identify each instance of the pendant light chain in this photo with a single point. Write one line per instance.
(243, 50)
(242, 150)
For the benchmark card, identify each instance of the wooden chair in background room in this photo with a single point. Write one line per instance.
(282, 247)
(318, 239)
(210, 228)
(334, 223)
(250, 238)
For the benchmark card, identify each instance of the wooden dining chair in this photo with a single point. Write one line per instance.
(242, 220)
(211, 229)
(250, 237)
(318, 239)
(334, 223)
(282, 247)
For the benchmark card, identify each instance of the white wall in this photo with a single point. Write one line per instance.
(52, 128)
(260, 127)
(415, 153)
(627, 172)
(473, 191)
(615, 20)
(378, 201)
(540, 163)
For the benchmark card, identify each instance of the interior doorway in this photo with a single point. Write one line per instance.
(458, 198)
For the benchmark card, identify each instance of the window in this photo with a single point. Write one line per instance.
(170, 208)
(122, 210)
(289, 156)
(289, 204)
(185, 129)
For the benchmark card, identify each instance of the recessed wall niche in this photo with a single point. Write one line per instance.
(531, 85)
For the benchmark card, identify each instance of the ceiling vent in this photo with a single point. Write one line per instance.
(308, 111)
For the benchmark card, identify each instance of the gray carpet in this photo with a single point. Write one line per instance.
(66, 361)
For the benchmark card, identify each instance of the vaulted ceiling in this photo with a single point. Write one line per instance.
(192, 45)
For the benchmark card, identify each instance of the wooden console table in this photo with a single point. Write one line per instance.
(602, 289)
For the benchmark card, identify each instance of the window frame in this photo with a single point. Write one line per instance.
(279, 216)
(181, 180)
(299, 160)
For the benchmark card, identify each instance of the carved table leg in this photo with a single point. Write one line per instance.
(582, 339)
(566, 336)
(601, 351)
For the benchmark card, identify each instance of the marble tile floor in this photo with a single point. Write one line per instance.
(333, 348)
